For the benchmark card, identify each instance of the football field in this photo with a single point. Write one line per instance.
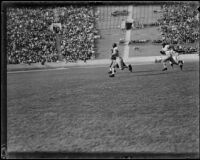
(82, 109)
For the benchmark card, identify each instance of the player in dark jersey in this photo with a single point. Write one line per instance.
(117, 61)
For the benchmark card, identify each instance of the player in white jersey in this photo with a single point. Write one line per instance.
(117, 61)
(172, 57)
(176, 58)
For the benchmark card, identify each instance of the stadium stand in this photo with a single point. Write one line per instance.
(30, 39)
(180, 23)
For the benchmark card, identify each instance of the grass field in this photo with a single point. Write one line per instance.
(82, 109)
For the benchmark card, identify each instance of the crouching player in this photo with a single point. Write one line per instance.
(117, 61)
(172, 57)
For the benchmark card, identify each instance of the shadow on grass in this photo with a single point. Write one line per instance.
(26, 155)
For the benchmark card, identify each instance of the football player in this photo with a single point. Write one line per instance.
(172, 57)
(117, 61)
(114, 53)
(165, 47)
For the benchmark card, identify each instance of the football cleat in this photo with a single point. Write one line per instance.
(164, 69)
(112, 75)
(130, 68)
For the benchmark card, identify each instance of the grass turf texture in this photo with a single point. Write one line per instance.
(83, 109)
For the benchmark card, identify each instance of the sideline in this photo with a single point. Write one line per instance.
(72, 67)
(91, 64)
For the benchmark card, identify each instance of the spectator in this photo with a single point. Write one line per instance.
(179, 23)
(29, 38)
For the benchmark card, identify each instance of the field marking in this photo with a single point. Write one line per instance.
(128, 34)
(38, 70)
(105, 63)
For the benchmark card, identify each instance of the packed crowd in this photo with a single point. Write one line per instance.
(30, 39)
(78, 33)
(180, 23)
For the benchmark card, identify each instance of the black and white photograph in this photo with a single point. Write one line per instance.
(100, 79)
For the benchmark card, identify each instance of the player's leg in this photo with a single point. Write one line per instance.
(177, 61)
(110, 69)
(172, 61)
(172, 65)
(113, 69)
(130, 68)
(165, 66)
(122, 65)
(165, 63)
(117, 66)
(119, 63)
(180, 62)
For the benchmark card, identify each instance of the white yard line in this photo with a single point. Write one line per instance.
(128, 34)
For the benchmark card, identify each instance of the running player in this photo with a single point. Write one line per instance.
(172, 57)
(117, 61)
(114, 54)
(165, 47)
